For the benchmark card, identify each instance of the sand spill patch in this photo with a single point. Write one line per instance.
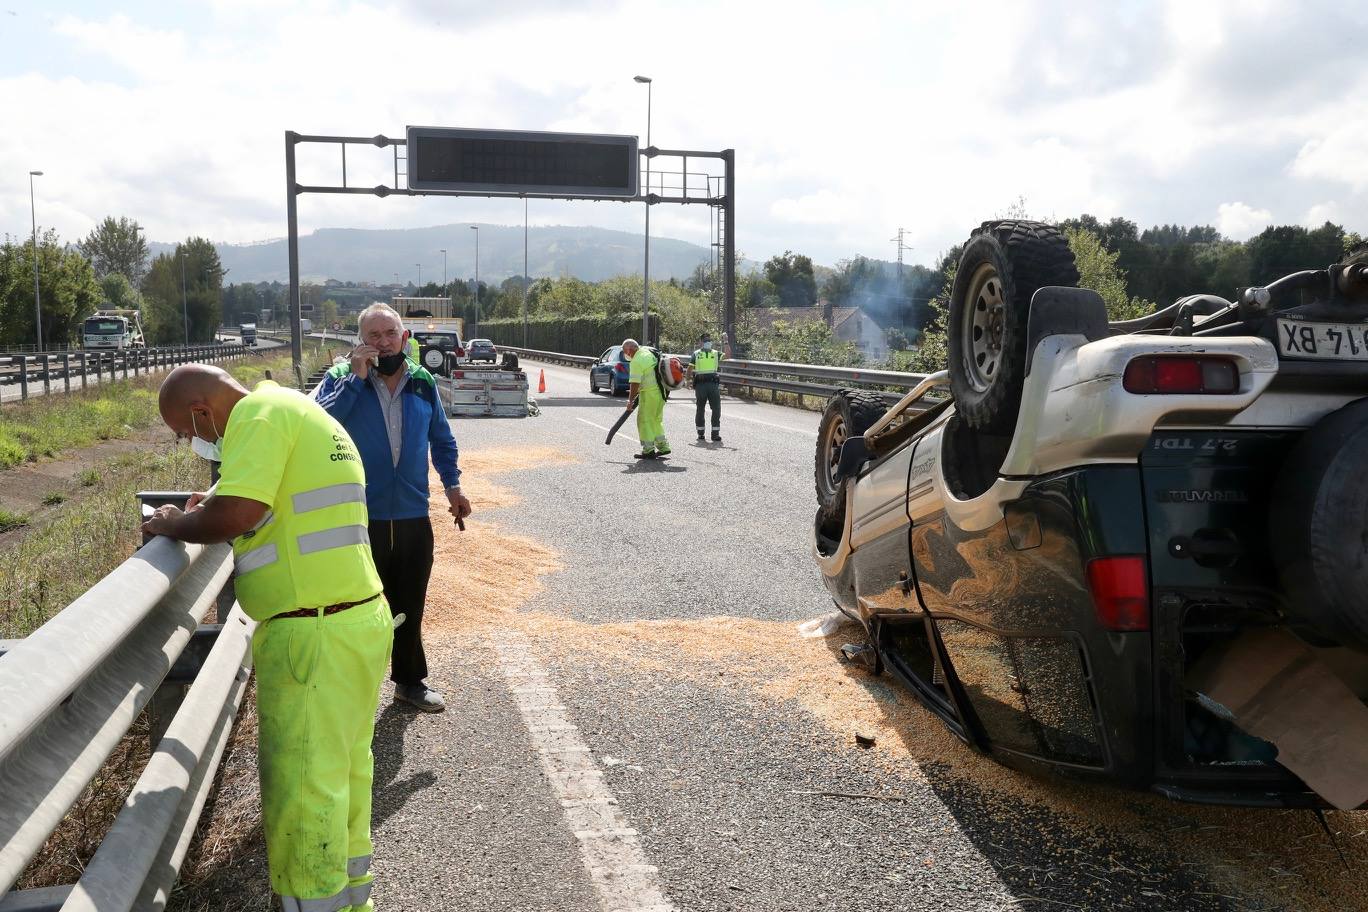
(483, 577)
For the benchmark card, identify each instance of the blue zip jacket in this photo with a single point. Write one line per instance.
(394, 492)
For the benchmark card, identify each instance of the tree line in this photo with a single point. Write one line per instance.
(178, 293)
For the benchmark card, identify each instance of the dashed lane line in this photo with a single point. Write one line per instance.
(612, 854)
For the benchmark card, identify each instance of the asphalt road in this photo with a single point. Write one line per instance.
(635, 722)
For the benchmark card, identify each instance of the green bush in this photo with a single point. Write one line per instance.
(589, 335)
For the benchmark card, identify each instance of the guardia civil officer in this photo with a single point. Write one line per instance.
(704, 366)
(291, 497)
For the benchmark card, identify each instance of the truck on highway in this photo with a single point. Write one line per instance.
(430, 315)
(248, 333)
(112, 329)
(1133, 551)
(305, 325)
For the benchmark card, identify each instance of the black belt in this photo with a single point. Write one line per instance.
(710, 376)
(326, 610)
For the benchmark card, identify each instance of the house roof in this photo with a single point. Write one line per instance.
(766, 318)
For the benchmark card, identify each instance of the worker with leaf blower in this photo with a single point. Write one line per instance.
(648, 398)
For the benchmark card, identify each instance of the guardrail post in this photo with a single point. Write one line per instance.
(23, 375)
(66, 370)
(47, 376)
(83, 369)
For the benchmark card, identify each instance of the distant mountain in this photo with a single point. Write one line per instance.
(375, 255)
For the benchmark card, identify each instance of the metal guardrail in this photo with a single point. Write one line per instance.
(73, 688)
(777, 377)
(551, 357)
(47, 367)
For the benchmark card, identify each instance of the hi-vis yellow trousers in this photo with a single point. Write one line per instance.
(318, 682)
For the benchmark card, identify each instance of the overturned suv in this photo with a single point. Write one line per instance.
(1132, 551)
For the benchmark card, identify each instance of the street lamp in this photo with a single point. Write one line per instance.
(646, 277)
(420, 275)
(185, 307)
(525, 277)
(37, 304)
(444, 277)
(476, 229)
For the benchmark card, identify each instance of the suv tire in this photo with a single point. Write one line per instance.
(848, 414)
(1316, 528)
(1003, 264)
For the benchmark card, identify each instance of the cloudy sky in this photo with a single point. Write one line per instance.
(849, 120)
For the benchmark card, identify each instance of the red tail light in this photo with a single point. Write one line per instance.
(621, 368)
(458, 375)
(1169, 374)
(1120, 592)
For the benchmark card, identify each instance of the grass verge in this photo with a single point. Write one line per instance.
(86, 537)
(10, 520)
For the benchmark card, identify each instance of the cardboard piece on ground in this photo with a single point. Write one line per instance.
(1279, 690)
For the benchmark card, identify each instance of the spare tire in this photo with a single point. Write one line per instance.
(433, 358)
(1003, 264)
(848, 414)
(1318, 529)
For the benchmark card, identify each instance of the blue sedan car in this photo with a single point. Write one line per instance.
(609, 373)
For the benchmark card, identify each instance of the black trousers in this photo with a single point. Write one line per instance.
(707, 393)
(402, 549)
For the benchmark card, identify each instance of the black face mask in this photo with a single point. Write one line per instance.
(389, 364)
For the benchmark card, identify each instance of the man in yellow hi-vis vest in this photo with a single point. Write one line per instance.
(645, 394)
(704, 367)
(291, 497)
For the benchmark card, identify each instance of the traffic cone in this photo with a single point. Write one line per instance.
(541, 384)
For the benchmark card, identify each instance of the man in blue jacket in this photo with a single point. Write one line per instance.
(390, 407)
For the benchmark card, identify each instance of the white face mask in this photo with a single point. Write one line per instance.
(203, 448)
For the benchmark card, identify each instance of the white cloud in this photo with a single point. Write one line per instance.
(843, 131)
(1239, 221)
(1340, 154)
(821, 208)
(1321, 213)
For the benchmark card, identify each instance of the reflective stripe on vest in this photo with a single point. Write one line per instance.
(256, 559)
(331, 496)
(358, 866)
(327, 539)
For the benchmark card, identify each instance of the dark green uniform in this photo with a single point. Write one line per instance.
(708, 390)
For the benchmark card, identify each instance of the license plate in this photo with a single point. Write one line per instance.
(1323, 341)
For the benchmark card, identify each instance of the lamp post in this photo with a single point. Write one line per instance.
(37, 303)
(185, 306)
(476, 229)
(525, 276)
(646, 268)
(444, 277)
(420, 275)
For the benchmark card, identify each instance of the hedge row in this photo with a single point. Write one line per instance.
(568, 335)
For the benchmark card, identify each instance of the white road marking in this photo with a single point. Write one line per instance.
(592, 424)
(608, 845)
(729, 415)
